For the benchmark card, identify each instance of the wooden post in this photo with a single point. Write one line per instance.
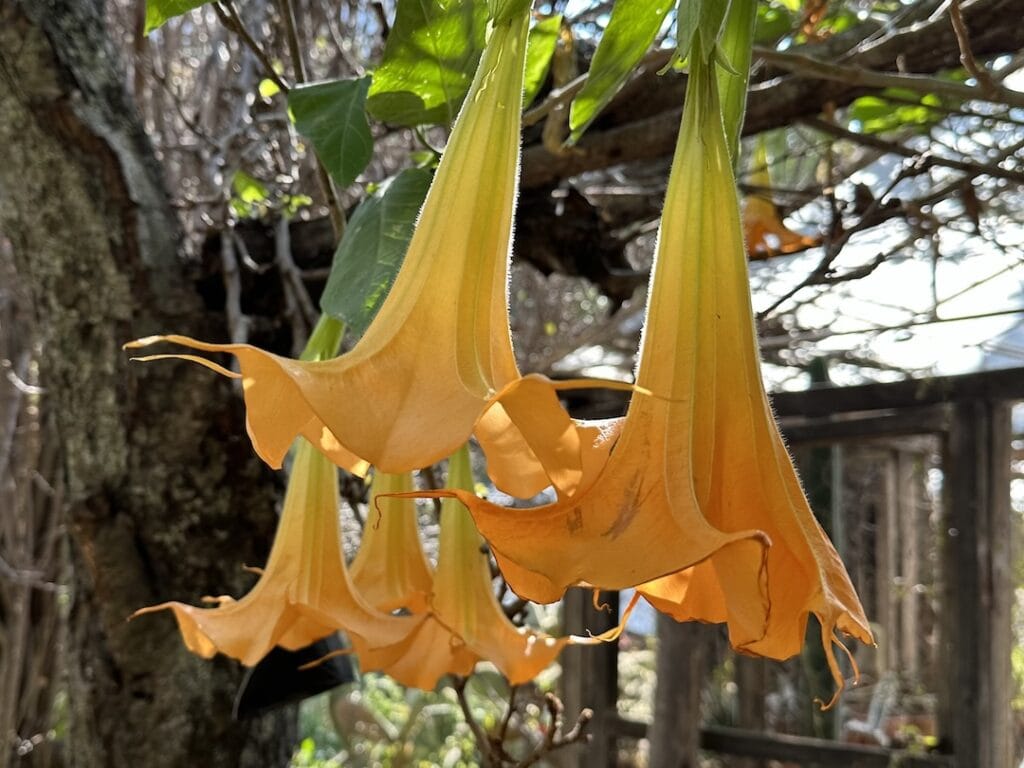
(752, 685)
(590, 678)
(911, 536)
(675, 733)
(976, 640)
(887, 543)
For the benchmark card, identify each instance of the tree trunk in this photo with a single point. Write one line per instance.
(165, 499)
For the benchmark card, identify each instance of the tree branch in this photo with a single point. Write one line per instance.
(642, 121)
(808, 67)
(925, 159)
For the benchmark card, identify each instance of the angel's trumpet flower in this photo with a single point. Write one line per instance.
(742, 474)
(412, 388)
(765, 233)
(466, 623)
(390, 569)
(304, 593)
(642, 518)
(699, 463)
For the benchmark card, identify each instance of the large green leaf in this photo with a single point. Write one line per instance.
(159, 11)
(774, 21)
(372, 248)
(630, 32)
(333, 116)
(539, 50)
(896, 109)
(429, 61)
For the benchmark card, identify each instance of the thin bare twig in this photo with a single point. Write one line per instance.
(492, 746)
(433, 484)
(334, 209)
(555, 737)
(238, 322)
(228, 15)
(963, 39)
(299, 308)
(483, 743)
(806, 66)
(503, 729)
(926, 159)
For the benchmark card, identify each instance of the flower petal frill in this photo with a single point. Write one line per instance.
(304, 593)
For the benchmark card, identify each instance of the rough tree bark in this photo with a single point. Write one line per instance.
(164, 497)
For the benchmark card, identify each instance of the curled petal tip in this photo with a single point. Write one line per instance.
(145, 341)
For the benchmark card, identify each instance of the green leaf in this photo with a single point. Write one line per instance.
(773, 22)
(539, 50)
(333, 116)
(295, 203)
(268, 88)
(893, 109)
(630, 32)
(159, 11)
(372, 248)
(250, 195)
(429, 60)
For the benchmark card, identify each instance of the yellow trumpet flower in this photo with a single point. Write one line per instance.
(699, 472)
(390, 570)
(742, 474)
(765, 233)
(439, 350)
(466, 623)
(304, 593)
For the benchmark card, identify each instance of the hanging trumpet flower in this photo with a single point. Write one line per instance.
(390, 569)
(304, 593)
(699, 472)
(465, 623)
(763, 229)
(439, 350)
(742, 474)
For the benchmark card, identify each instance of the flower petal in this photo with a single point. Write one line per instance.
(304, 593)
(390, 569)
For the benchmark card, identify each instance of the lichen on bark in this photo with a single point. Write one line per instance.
(165, 499)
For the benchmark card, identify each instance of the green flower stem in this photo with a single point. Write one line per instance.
(325, 340)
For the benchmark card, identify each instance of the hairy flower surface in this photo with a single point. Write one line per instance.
(742, 474)
(439, 351)
(304, 593)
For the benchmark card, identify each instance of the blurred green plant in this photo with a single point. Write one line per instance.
(380, 722)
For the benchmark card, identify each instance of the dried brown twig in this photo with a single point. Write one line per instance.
(963, 39)
(493, 746)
